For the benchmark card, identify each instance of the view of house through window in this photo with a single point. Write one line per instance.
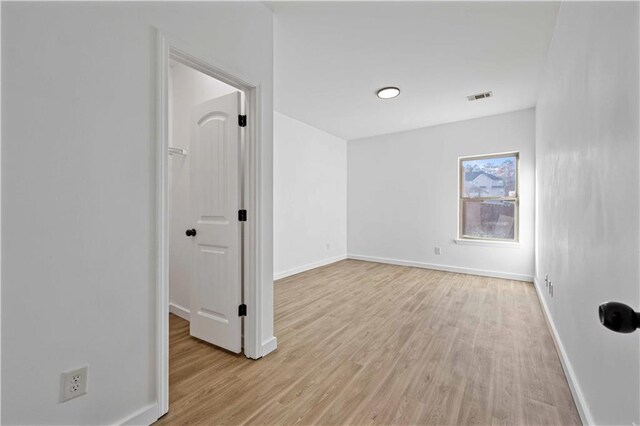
(489, 197)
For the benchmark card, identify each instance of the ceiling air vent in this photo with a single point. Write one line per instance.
(480, 96)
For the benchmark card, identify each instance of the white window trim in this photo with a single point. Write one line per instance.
(487, 243)
(460, 239)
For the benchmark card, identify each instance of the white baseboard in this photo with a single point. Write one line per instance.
(180, 311)
(269, 346)
(576, 391)
(307, 267)
(447, 268)
(143, 417)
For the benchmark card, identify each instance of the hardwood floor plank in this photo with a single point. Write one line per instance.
(367, 343)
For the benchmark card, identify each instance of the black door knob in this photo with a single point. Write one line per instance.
(619, 317)
(191, 232)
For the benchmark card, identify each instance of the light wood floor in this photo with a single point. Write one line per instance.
(366, 343)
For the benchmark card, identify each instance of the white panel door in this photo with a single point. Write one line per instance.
(215, 291)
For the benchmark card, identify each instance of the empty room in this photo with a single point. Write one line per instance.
(320, 213)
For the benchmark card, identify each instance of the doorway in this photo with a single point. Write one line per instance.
(227, 89)
(205, 187)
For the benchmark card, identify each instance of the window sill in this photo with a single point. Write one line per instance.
(487, 243)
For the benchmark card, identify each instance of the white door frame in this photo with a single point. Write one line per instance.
(169, 47)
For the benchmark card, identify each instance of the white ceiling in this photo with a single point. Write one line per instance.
(331, 57)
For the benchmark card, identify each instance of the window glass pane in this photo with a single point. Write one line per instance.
(490, 177)
(494, 219)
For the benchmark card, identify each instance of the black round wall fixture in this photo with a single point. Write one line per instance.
(619, 317)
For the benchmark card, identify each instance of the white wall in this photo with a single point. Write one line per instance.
(587, 200)
(187, 89)
(78, 193)
(310, 197)
(403, 195)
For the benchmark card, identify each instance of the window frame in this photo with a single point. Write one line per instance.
(515, 200)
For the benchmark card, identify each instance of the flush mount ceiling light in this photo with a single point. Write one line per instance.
(388, 92)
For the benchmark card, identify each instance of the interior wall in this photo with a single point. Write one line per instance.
(79, 193)
(310, 197)
(403, 196)
(187, 89)
(588, 201)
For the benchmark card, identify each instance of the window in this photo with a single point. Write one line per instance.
(489, 197)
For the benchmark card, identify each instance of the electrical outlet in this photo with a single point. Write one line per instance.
(437, 250)
(74, 383)
(551, 288)
(546, 280)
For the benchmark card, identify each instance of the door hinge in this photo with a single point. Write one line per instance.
(242, 215)
(242, 120)
(242, 310)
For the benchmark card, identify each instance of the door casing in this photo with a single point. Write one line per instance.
(169, 47)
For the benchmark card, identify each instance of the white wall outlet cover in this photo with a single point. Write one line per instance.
(74, 383)
(437, 250)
